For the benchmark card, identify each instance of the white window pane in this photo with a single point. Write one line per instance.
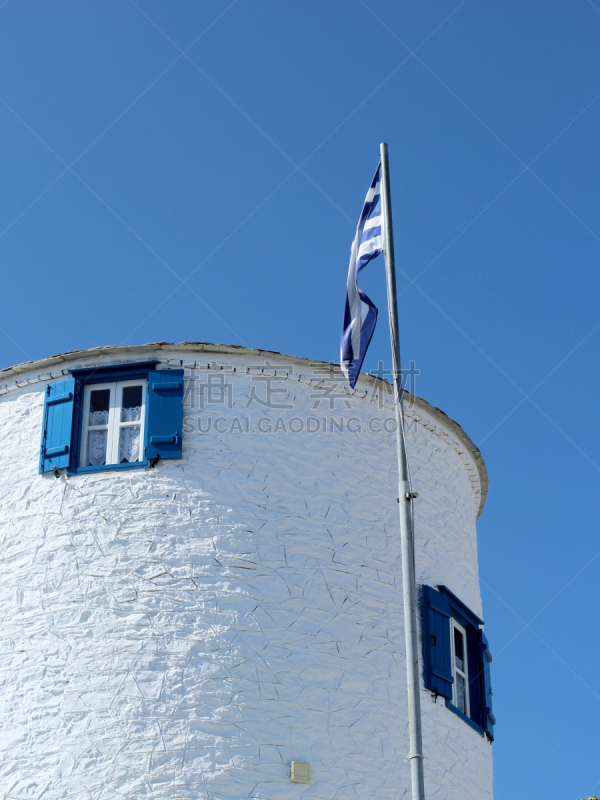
(131, 409)
(99, 406)
(96, 448)
(129, 444)
(459, 649)
(461, 703)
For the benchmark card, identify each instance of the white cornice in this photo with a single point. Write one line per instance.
(434, 419)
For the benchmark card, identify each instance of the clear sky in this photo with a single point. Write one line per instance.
(195, 171)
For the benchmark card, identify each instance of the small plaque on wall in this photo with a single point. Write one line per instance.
(300, 772)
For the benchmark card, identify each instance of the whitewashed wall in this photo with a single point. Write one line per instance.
(187, 631)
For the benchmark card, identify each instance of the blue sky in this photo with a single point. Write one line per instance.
(195, 171)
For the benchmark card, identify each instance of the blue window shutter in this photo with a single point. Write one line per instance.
(57, 426)
(475, 676)
(165, 413)
(486, 659)
(436, 643)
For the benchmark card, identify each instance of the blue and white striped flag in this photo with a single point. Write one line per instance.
(360, 315)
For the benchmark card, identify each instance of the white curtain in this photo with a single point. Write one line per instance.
(131, 414)
(129, 444)
(98, 418)
(96, 447)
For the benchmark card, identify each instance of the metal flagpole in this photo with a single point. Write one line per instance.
(405, 497)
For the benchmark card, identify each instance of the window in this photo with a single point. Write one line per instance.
(113, 423)
(457, 658)
(460, 695)
(120, 417)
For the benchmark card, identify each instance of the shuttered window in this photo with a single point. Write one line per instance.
(457, 658)
(118, 417)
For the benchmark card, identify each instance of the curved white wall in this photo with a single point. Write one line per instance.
(187, 631)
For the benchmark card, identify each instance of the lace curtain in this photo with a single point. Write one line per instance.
(131, 414)
(129, 443)
(96, 447)
(98, 418)
(460, 694)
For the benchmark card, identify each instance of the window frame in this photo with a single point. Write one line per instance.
(456, 671)
(114, 424)
(99, 376)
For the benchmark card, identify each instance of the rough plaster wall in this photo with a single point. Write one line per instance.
(187, 631)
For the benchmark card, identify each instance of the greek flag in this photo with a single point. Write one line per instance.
(360, 315)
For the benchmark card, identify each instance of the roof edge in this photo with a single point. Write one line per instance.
(9, 379)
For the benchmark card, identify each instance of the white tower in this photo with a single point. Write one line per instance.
(201, 582)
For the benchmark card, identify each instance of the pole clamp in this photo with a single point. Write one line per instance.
(413, 755)
(409, 495)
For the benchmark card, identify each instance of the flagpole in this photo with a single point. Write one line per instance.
(405, 497)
